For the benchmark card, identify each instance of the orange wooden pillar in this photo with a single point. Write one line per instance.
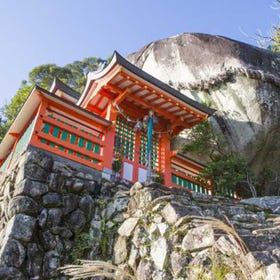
(109, 138)
(136, 164)
(38, 122)
(165, 159)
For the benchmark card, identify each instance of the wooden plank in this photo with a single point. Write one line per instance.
(69, 156)
(179, 174)
(121, 96)
(68, 145)
(71, 130)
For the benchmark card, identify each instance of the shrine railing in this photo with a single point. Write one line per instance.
(60, 134)
(184, 176)
(182, 180)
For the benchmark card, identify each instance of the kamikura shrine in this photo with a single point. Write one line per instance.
(122, 123)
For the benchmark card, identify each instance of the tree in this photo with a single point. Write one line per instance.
(73, 74)
(226, 169)
(275, 40)
(204, 139)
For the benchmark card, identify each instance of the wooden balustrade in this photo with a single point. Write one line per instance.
(185, 181)
(63, 136)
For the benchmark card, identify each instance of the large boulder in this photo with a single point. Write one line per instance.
(241, 82)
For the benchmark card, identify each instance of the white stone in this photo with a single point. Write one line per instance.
(120, 250)
(198, 238)
(159, 251)
(153, 229)
(143, 251)
(128, 226)
(162, 228)
(272, 272)
(158, 218)
(133, 256)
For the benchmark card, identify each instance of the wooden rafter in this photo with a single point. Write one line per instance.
(122, 96)
(120, 81)
(99, 101)
(15, 135)
(158, 111)
(147, 104)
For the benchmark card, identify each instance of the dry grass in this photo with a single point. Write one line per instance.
(215, 224)
(235, 260)
(96, 268)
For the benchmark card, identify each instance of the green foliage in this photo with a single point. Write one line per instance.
(158, 177)
(117, 164)
(204, 139)
(225, 172)
(73, 74)
(80, 246)
(17, 101)
(275, 40)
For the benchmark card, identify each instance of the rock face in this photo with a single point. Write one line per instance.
(241, 82)
(149, 231)
(38, 228)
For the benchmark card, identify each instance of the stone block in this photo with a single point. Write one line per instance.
(178, 262)
(21, 227)
(52, 200)
(54, 217)
(198, 238)
(56, 182)
(120, 250)
(128, 226)
(173, 211)
(77, 186)
(13, 253)
(42, 219)
(87, 206)
(10, 273)
(70, 203)
(24, 205)
(145, 270)
(51, 263)
(34, 260)
(76, 221)
(272, 272)
(159, 252)
(31, 188)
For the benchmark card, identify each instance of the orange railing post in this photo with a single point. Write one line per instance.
(165, 159)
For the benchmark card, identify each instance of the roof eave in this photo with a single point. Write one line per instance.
(121, 61)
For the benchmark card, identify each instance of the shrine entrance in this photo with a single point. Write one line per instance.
(130, 147)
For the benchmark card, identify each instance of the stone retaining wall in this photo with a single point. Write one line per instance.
(45, 204)
(54, 212)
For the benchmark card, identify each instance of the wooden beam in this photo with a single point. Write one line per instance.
(107, 93)
(94, 109)
(147, 104)
(178, 122)
(15, 135)
(120, 81)
(160, 112)
(121, 96)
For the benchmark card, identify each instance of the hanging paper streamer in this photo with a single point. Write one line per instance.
(149, 146)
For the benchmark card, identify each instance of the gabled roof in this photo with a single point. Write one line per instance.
(61, 89)
(122, 84)
(121, 61)
(30, 107)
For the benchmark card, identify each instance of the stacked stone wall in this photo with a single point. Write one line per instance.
(54, 212)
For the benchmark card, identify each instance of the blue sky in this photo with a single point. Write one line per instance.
(35, 32)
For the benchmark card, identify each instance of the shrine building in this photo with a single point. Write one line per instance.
(122, 123)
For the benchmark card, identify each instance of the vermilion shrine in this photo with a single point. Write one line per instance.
(106, 121)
